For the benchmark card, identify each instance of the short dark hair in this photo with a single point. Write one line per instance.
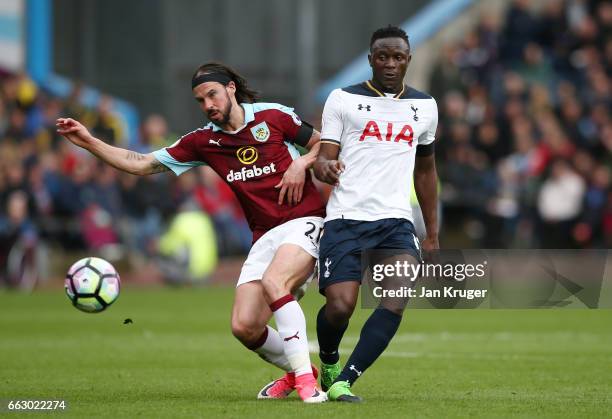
(389, 32)
(244, 94)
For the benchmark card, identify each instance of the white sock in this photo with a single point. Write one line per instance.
(291, 325)
(272, 350)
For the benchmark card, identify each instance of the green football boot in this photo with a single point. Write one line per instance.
(340, 391)
(329, 372)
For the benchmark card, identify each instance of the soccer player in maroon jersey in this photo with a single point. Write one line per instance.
(250, 145)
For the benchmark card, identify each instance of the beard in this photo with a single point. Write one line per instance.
(225, 112)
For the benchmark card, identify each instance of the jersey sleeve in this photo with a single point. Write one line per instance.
(429, 136)
(180, 156)
(332, 123)
(294, 129)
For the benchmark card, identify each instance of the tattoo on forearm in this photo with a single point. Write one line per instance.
(132, 155)
(157, 167)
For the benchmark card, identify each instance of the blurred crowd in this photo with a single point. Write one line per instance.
(525, 155)
(53, 193)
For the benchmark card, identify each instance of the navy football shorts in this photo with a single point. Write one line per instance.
(344, 240)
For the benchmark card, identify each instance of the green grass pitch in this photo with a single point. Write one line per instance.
(179, 359)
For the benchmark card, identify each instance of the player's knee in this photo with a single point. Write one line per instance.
(395, 309)
(339, 311)
(274, 287)
(395, 305)
(245, 332)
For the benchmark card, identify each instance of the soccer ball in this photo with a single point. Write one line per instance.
(92, 284)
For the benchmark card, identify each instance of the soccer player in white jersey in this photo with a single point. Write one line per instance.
(376, 136)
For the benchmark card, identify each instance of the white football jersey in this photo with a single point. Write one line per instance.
(378, 135)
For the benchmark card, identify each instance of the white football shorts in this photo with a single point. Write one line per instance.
(303, 232)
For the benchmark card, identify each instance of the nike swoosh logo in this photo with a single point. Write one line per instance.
(264, 392)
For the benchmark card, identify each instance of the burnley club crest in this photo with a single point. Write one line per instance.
(261, 132)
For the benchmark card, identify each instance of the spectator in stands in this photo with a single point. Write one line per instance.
(105, 124)
(445, 75)
(217, 199)
(18, 235)
(559, 205)
(155, 134)
(519, 29)
(143, 212)
(188, 250)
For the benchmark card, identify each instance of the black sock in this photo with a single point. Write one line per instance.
(376, 334)
(329, 338)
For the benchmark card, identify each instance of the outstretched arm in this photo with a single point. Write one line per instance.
(120, 158)
(426, 188)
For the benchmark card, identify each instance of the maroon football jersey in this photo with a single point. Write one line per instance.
(252, 160)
